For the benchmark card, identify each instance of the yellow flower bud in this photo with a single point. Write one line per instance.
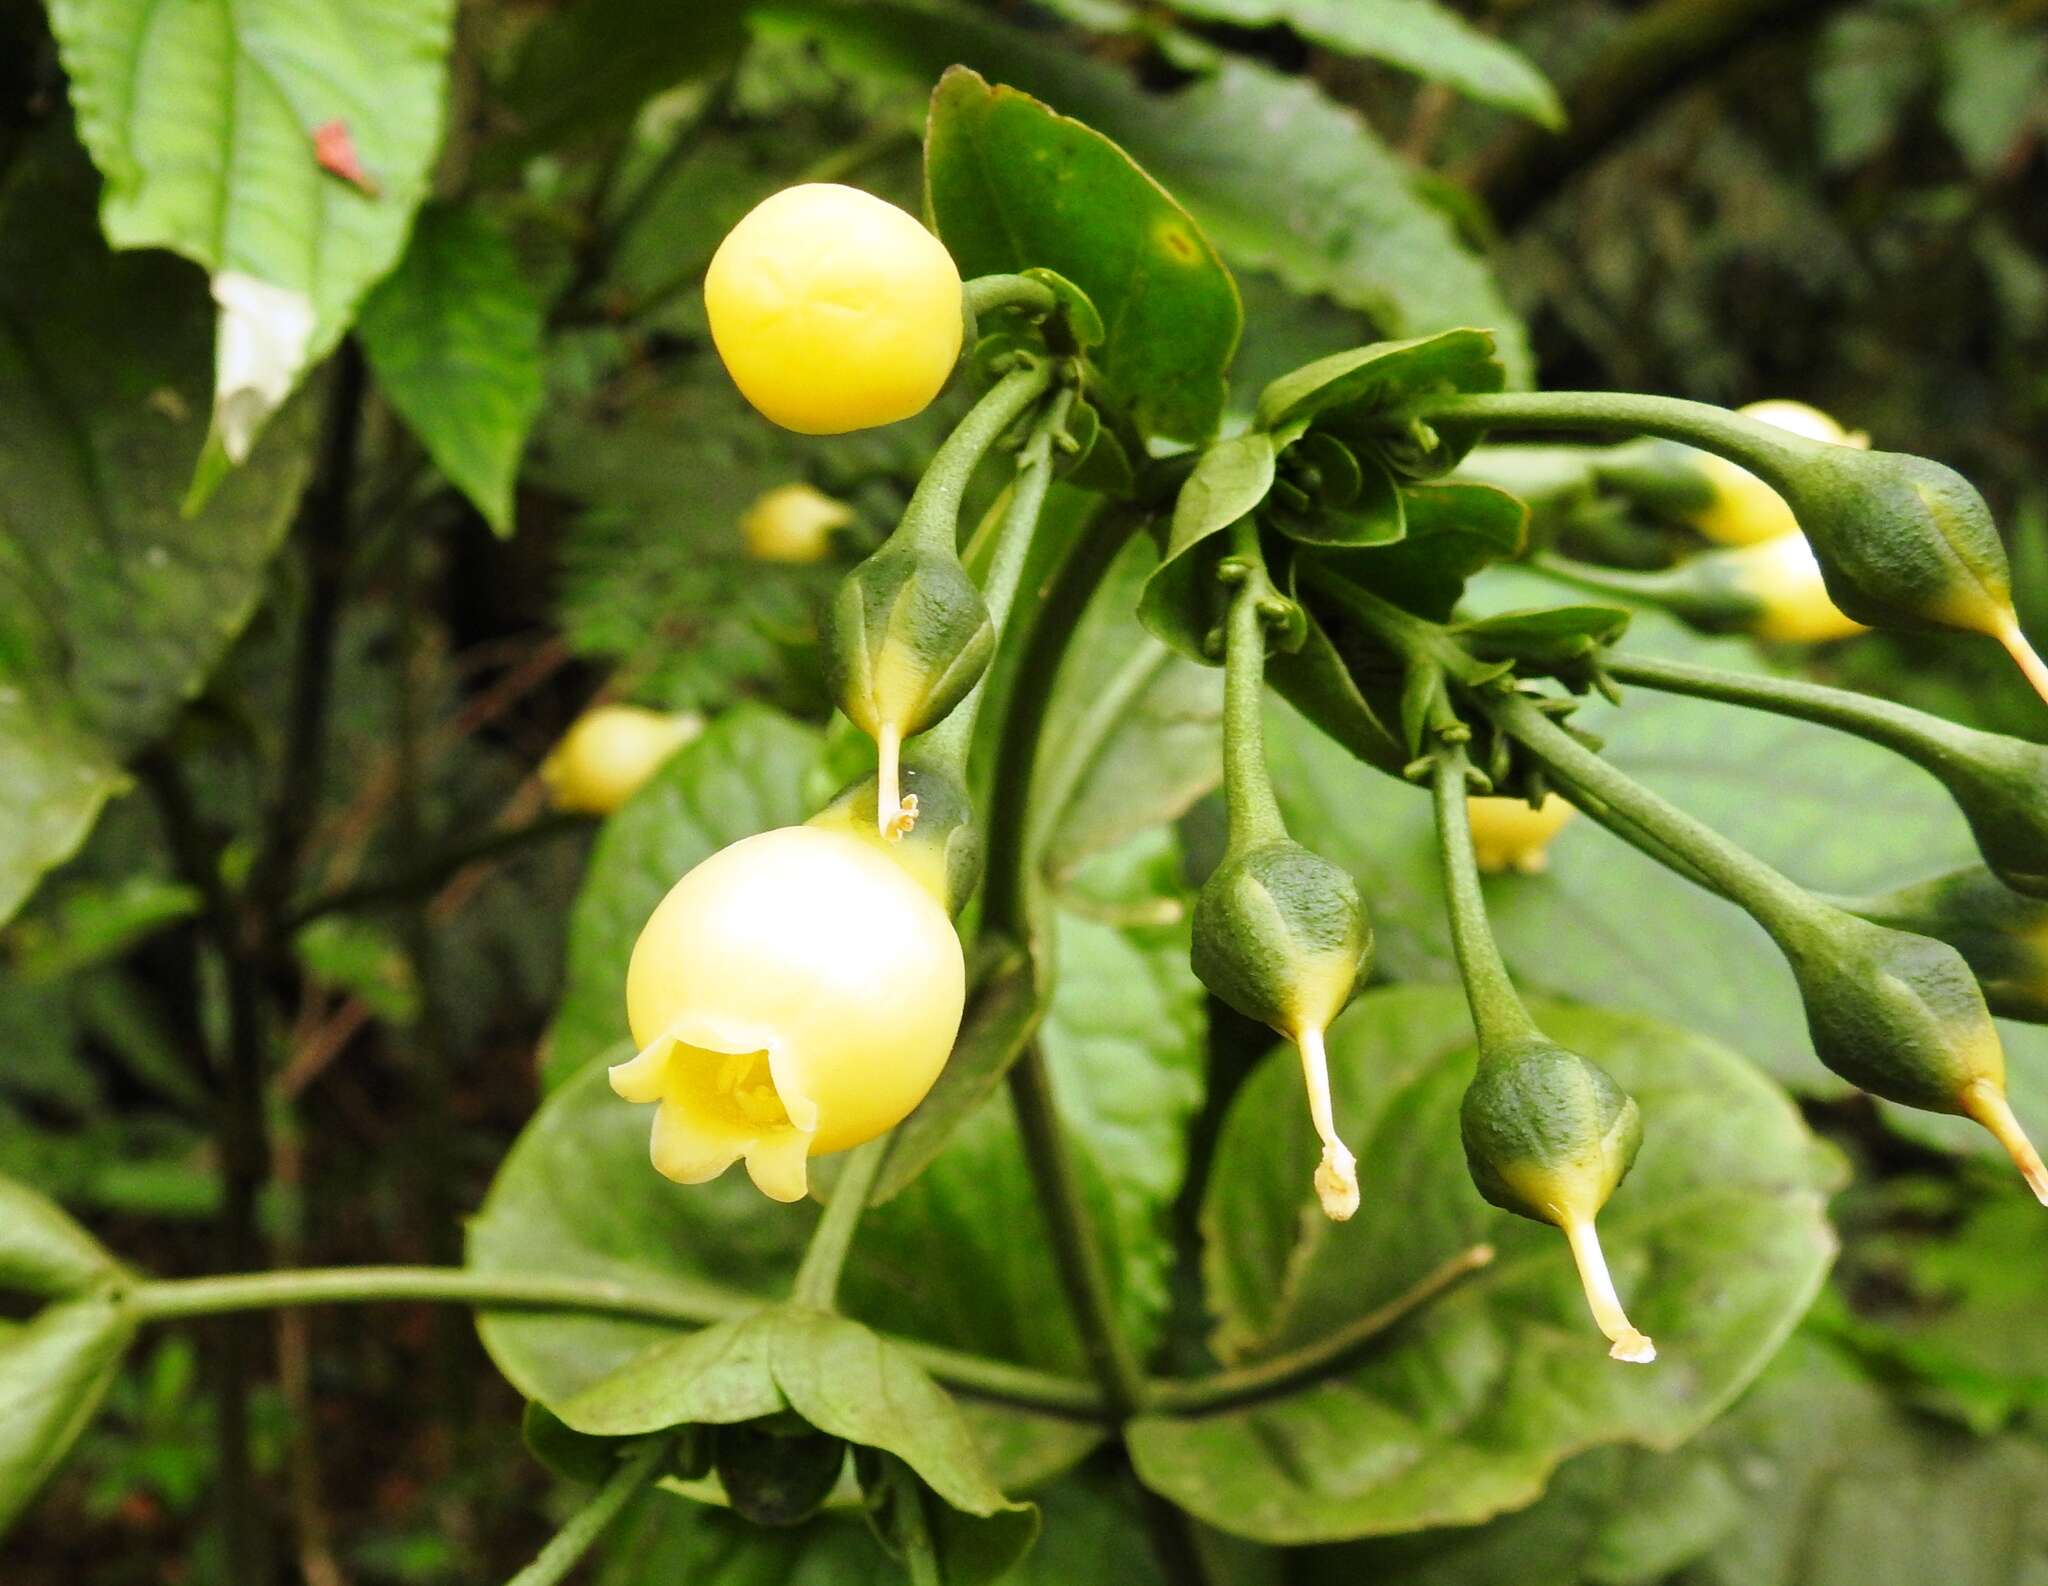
(1742, 509)
(1508, 835)
(1793, 605)
(795, 994)
(793, 523)
(834, 310)
(610, 752)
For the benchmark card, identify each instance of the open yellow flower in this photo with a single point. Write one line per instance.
(610, 752)
(1741, 509)
(1507, 834)
(795, 994)
(834, 310)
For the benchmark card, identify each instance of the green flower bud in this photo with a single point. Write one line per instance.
(1282, 935)
(1548, 1135)
(908, 635)
(777, 1471)
(1902, 1017)
(2002, 934)
(941, 846)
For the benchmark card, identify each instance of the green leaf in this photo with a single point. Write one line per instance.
(744, 775)
(1350, 389)
(1012, 185)
(1455, 530)
(1131, 733)
(453, 336)
(1182, 601)
(1426, 38)
(1351, 226)
(1995, 78)
(43, 1252)
(203, 115)
(1836, 814)
(113, 609)
(54, 1371)
(593, 64)
(1718, 1240)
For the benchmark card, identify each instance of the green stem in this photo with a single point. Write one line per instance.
(817, 1277)
(1775, 902)
(565, 1549)
(1764, 449)
(1497, 1010)
(948, 742)
(1247, 783)
(987, 293)
(932, 519)
(676, 1303)
(1076, 1252)
(1312, 1362)
(920, 1557)
(1927, 741)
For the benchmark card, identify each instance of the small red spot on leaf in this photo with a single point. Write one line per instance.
(335, 151)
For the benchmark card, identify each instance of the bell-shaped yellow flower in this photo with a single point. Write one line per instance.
(795, 994)
(1792, 601)
(834, 310)
(1741, 509)
(793, 523)
(1507, 834)
(610, 751)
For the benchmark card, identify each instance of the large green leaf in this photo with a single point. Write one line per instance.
(454, 338)
(1603, 923)
(1280, 176)
(55, 1365)
(1427, 38)
(744, 775)
(203, 117)
(113, 608)
(1013, 185)
(1718, 1240)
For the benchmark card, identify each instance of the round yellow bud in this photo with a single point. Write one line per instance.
(1508, 835)
(793, 523)
(795, 994)
(1792, 598)
(610, 752)
(834, 310)
(1742, 509)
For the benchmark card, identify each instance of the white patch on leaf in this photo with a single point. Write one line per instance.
(259, 352)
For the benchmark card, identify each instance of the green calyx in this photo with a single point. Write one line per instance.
(1281, 934)
(2001, 934)
(1547, 1134)
(1896, 1014)
(942, 847)
(777, 1471)
(907, 636)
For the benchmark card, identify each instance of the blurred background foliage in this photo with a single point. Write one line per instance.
(1843, 201)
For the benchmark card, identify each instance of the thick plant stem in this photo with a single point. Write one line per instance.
(1254, 813)
(1927, 741)
(565, 1549)
(817, 1276)
(1278, 1374)
(932, 518)
(1778, 905)
(1497, 1010)
(675, 1302)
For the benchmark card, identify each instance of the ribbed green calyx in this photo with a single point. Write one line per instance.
(777, 1471)
(2001, 934)
(907, 636)
(943, 850)
(1548, 1135)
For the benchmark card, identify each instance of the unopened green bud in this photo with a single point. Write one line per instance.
(940, 846)
(2002, 934)
(1548, 1136)
(1282, 935)
(1901, 1016)
(777, 1471)
(908, 635)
